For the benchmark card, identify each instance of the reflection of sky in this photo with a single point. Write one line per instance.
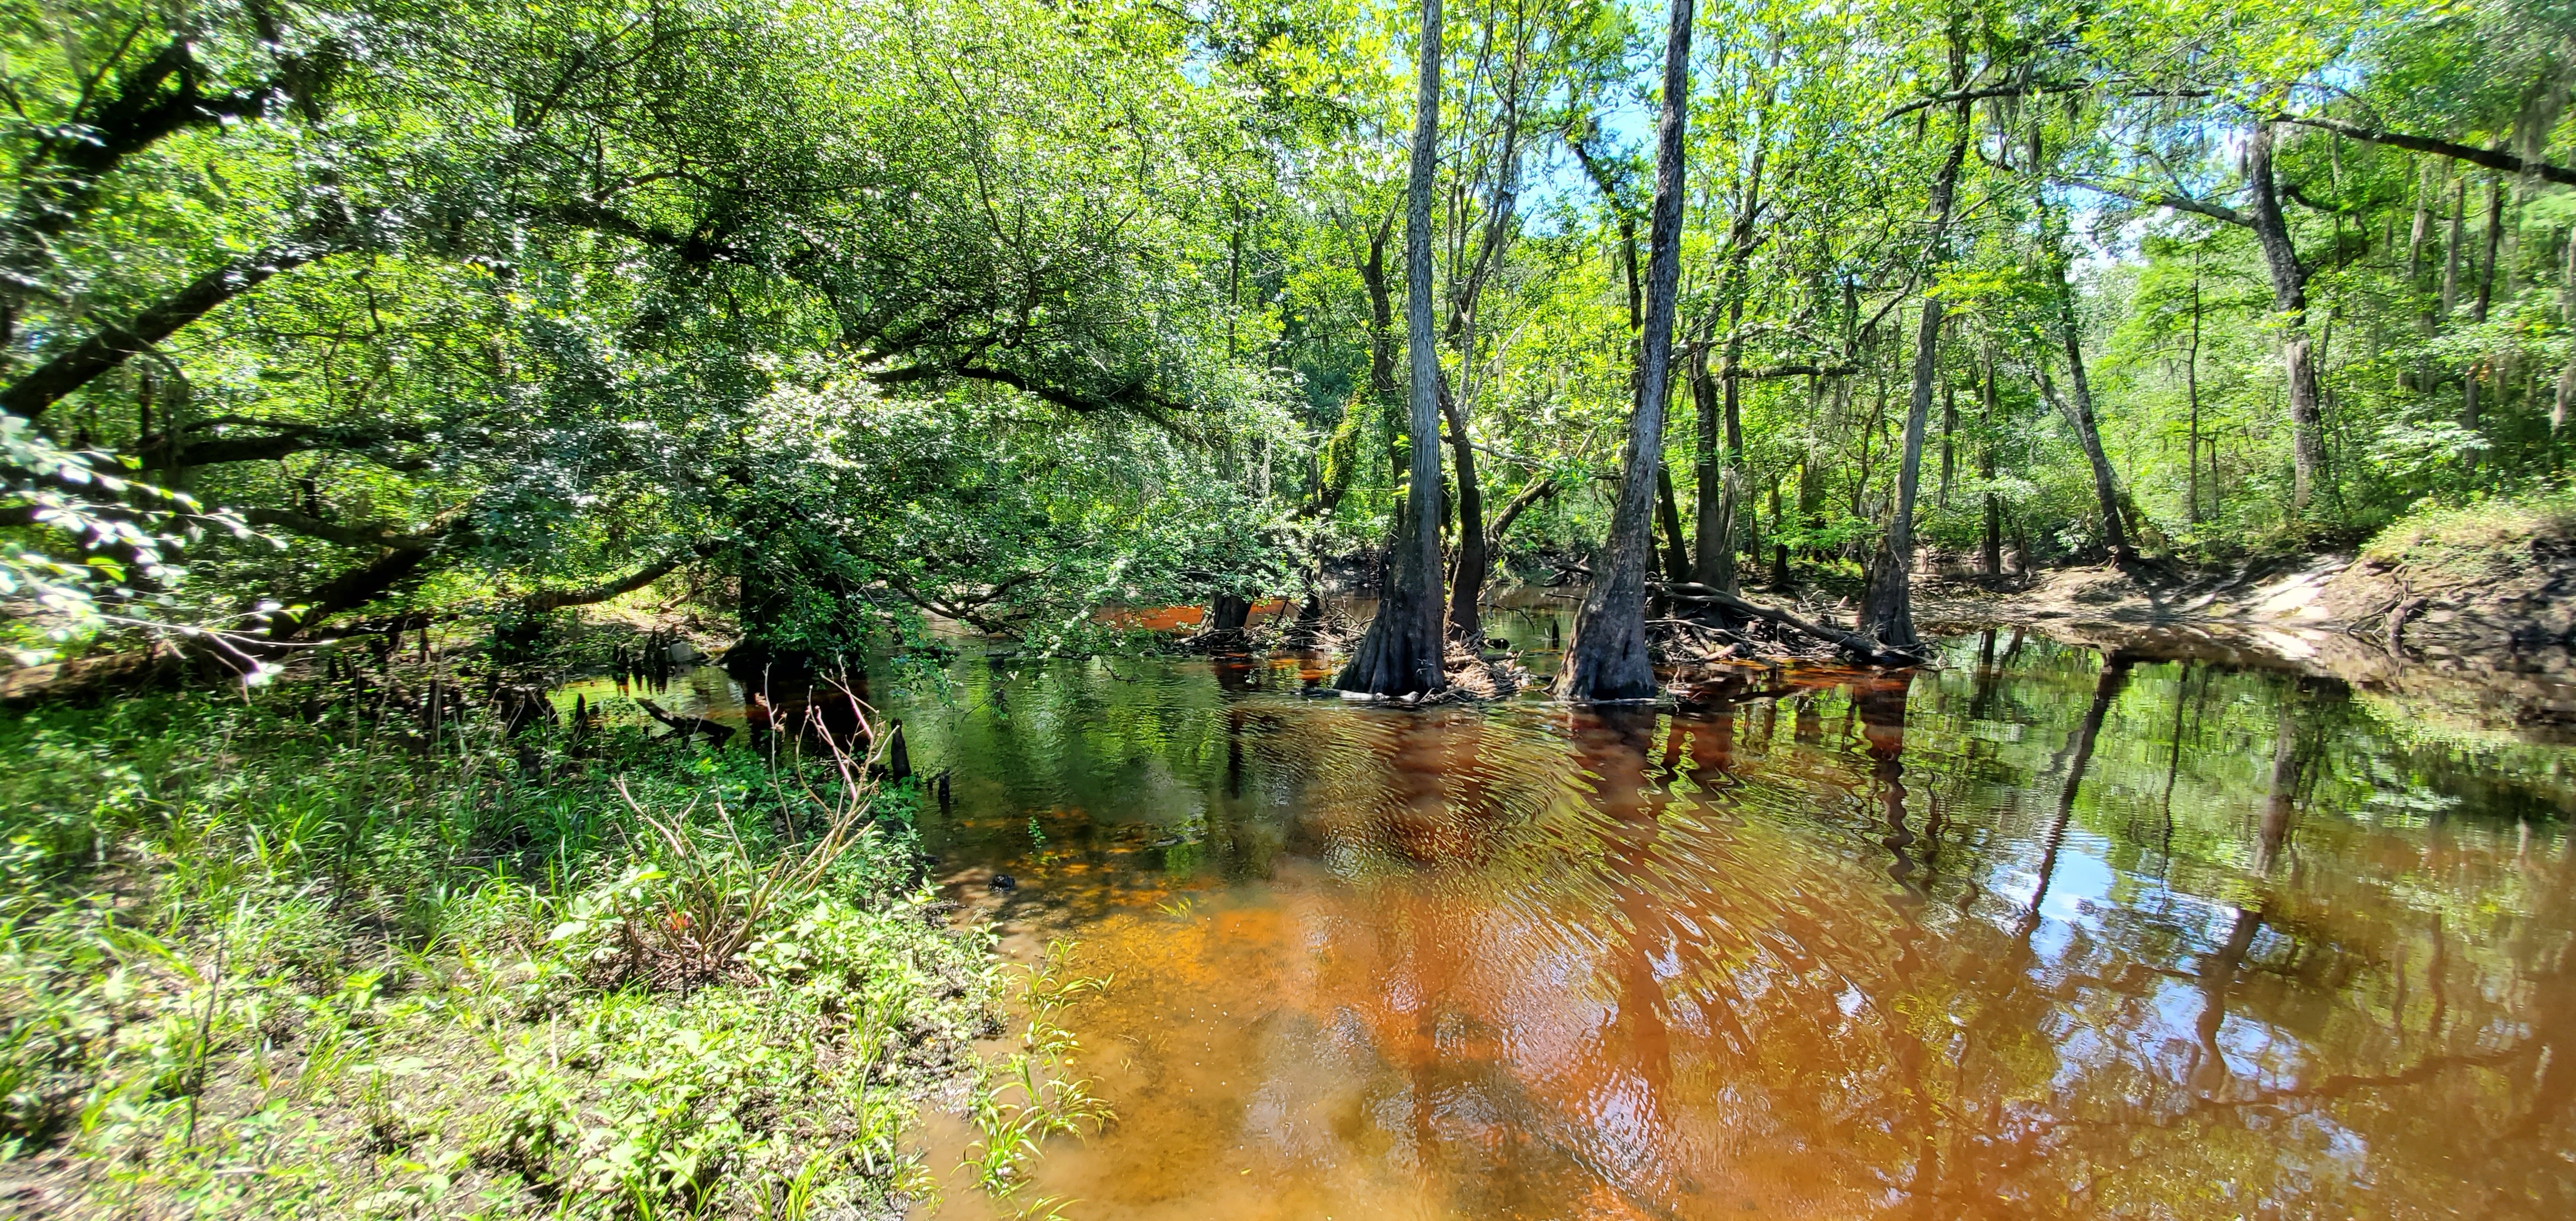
(1734, 992)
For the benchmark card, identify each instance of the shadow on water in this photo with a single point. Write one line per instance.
(2043, 931)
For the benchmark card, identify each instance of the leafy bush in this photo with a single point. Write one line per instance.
(253, 963)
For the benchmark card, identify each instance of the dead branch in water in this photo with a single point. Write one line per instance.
(1859, 647)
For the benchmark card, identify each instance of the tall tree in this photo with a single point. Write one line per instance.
(2077, 406)
(1717, 394)
(1401, 653)
(1888, 611)
(1608, 659)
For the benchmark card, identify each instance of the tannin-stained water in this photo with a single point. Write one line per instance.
(2034, 933)
(2048, 936)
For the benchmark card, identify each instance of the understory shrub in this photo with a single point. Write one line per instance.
(259, 959)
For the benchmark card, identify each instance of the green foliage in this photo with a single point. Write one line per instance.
(255, 963)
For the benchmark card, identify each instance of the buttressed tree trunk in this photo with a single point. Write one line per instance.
(1888, 612)
(1401, 653)
(2290, 301)
(1607, 659)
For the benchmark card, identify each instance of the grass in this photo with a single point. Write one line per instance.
(263, 959)
(2479, 540)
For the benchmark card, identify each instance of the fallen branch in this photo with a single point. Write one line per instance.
(1861, 648)
(716, 734)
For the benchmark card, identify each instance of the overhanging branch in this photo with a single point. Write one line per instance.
(2492, 158)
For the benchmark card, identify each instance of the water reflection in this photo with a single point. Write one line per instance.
(2040, 933)
(2043, 932)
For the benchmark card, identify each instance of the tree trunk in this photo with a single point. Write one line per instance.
(1888, 608)
(1607, 659)
(2418, 235)
(2191, 392)
(2485, 298)
(1401, 654)
(1779, 550)
(1949, 436)
(1991, 552)
(1467, 584)
(1228, 613)
(1539, 489)
(1713, 560)
(1668, 510)
(2079, 409)
(2290, 301)
(2566, 318)
(1721, 488)
(2451, 247)
(78, 366)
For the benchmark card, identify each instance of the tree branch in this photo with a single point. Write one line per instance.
(547, 600)
(2492, 158)
(1767, 372)
(2149, 197)
(112, 345)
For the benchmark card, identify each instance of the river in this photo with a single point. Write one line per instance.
(2033, 932)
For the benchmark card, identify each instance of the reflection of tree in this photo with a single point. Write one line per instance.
(2282, 796)
(1612, 744)
(2079, 759)
(1575, 980)
(1881, 708)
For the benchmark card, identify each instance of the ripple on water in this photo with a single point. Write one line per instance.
(2054, 936)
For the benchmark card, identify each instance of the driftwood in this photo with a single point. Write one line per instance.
(716, 734)
(90, 675)
(1859, 647)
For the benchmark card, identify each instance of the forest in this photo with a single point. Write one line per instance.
(858, 315)
(846, 330)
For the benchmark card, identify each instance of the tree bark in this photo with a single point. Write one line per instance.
(2290, 301)
(2494, 159)
(557, 599)
(1607, 659)
(2451, 246)
(2079, 409)
(1539, 489)
(2191, 392)
(1668, 511)
(1713, 551)
(2485, 298)
(2567, 318)
(1888, 608)
(1991, 548)
(2427, 189)
(1401, 654)
(1475, 560)
(1467, 584)
(1721, 487)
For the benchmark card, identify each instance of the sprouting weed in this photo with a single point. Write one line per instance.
(1045, 1208)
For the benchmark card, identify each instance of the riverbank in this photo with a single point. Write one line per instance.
(2463, 618)
(267, 957)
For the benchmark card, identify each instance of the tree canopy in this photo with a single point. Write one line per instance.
(840, 315)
